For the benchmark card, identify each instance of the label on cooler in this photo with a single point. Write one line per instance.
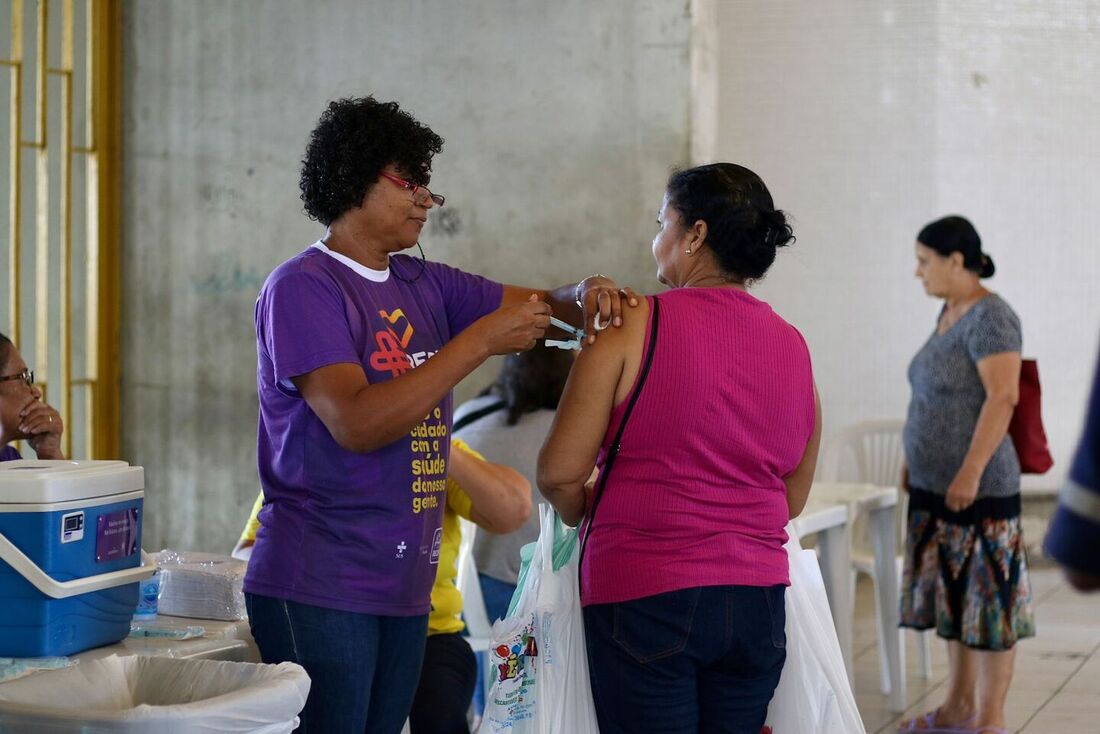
(72, 527)
(116, 535)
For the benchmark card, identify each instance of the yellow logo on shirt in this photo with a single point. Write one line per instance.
(390, 355)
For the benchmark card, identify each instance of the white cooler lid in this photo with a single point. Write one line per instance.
(39, 482)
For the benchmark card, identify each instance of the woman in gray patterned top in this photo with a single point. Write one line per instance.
(965, 563)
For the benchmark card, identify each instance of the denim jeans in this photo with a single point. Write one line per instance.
(363, 668)
(696, 660)
(497, 595)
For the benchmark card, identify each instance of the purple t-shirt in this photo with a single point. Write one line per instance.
(338, 529)
(9, 453)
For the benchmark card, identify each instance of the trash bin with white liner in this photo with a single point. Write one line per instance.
(70, 554)
(120, 695)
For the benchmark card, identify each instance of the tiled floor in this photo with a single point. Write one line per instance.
(1057, 683)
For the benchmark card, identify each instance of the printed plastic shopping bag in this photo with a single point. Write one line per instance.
(564, 692)
(537, 654)
(513, 649)
(813, 696)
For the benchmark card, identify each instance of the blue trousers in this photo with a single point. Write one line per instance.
(696, 660)
(363, 668)
(497, 595)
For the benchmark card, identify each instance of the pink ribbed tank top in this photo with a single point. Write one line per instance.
(696, 495)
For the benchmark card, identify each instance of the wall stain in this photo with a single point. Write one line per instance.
(227, 277)
(446, 222)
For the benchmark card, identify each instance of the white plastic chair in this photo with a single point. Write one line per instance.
(478, 624)
(878, 454)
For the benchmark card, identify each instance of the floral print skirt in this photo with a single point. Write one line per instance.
(965, 573)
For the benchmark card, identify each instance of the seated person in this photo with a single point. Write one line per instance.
(494, 497)
(508, 422)
(23, 415)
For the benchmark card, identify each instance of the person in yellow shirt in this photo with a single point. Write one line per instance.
(494, 497)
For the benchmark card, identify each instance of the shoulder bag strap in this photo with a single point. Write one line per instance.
(616, 444)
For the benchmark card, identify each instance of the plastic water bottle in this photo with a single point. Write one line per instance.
(148, 595)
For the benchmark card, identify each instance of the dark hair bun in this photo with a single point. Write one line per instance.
(956, 234)
(744, 229)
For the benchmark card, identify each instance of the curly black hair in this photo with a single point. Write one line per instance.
(6, 348)
(353, 141)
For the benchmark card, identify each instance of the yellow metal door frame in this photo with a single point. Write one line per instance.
(101, 148)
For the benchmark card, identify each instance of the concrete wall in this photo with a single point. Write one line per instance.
(562, 121)
(867, 120)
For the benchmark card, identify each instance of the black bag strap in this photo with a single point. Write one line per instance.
(616, 444)
(476, 415)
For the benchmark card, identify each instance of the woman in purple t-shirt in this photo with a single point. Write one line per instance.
(359, 347)
(23, 415)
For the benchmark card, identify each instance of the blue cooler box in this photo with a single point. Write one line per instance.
(70, 554)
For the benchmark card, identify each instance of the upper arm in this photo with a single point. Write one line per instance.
(303, 330)
(330, 392)
(994, 341)
(801, 479)
(585, 408)
(493, 496)
(301, 324)
(466, 296)
(1000, 375)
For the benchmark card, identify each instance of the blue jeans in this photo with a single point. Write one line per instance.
(696, 660)
(363, 668)
(497, 595)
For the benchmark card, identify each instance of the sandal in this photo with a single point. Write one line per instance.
(913, 726)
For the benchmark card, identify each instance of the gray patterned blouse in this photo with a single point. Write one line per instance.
(947, 398)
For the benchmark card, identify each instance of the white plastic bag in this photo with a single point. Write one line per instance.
(564, 691)
(814, 695)
(513, 648)
(163, 695)
(537, 655)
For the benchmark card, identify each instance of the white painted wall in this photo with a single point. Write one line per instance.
(867, 120)
(561, 123)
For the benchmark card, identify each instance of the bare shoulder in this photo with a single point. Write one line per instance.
(617, 340)
(619, 350)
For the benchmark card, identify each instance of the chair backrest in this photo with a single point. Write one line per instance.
(876, 448)
(478, 624)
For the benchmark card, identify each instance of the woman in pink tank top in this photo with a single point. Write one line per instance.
(702, 418)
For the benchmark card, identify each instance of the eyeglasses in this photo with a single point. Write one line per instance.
(420, 193)
(26, 376)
